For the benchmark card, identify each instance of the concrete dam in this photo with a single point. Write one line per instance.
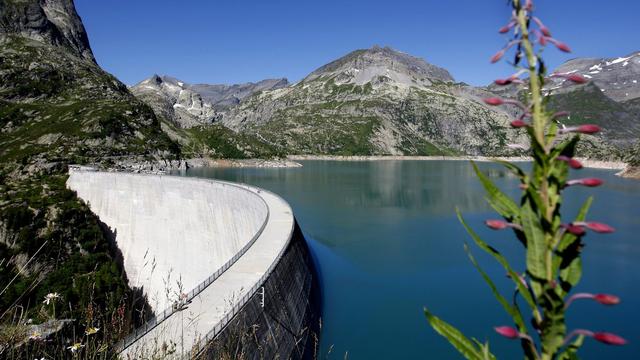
(224, 266)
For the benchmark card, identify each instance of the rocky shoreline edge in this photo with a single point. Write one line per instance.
(292, 161)
(625, 169)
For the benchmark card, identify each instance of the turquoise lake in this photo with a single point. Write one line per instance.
(387, 243)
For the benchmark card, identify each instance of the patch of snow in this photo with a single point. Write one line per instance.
(596, 67)
(588, 76)
(180, 83)
(625, 63)
(594, 72)
(635, 81)
(617, 61)
(175, 106)
(602, 90)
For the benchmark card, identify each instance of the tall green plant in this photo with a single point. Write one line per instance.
(553, 247)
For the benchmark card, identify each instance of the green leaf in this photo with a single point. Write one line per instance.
(463, 344)
(503, 204)
(487, 355)
(567, 259)
(569, 238)
(572, 274)
(536, 246)
(515, 277)
(571, 353)
(511, 310)
(513, 168)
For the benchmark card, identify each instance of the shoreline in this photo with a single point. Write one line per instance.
(291, 161)
(593, 164)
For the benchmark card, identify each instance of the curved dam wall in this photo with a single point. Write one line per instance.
(263, 302)
(279, 321)
(173, 232)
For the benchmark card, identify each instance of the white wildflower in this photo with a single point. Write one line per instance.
(50, 297)
(75, 347)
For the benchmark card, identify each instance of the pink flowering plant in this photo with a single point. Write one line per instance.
(553, 245)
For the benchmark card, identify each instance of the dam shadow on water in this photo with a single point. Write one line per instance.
(386, 242)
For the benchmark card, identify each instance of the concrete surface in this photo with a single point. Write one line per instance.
(173, 232)
(188, 227)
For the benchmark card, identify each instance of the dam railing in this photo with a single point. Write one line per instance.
(142, 330)
(200, 347)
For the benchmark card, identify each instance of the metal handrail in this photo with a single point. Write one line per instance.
(142, 330)
(198, 348)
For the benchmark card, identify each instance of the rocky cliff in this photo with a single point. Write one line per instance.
(53, 22)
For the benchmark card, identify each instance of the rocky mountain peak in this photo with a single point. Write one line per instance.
(54, 22)
(366, 65)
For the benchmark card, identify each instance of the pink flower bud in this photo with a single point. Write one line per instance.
(583, 129)
(588, 129)
(519, 123)
(606, 299)
(494, 101)
(542, 40)
(577, 78)
(495, 58)
(590, 182)
(609, 338)
(574, 229)
(599, 227)
(562, 46)
(503, 82)
(505, 29)
(497, 224)
(507, 332)
(573, 163)
(543, 29)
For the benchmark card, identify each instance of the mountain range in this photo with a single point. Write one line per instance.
(380, 101)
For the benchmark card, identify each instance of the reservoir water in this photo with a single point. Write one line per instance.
(387, 243)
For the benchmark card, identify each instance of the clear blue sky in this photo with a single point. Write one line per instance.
(233, 41)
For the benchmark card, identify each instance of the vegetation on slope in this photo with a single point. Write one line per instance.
(56, 109)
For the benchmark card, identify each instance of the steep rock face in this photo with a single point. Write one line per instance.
(189, 105)
(171, 99)
(55, 22)
(375, 101)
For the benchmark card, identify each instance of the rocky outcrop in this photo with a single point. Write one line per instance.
(172, 100)
(55, 22)
(189, 105)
